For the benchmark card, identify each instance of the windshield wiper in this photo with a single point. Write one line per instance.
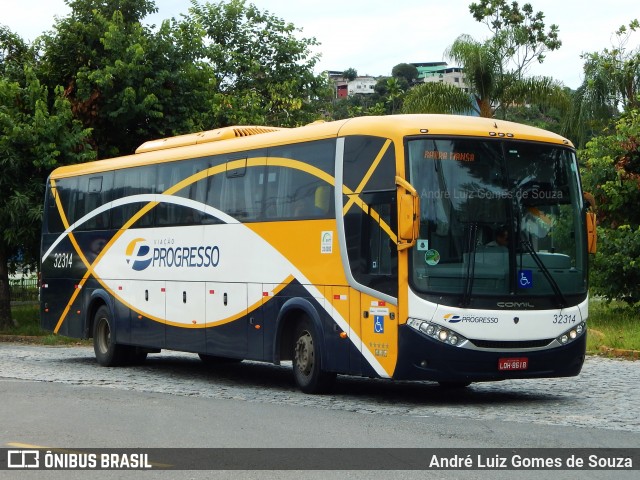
(471, 265)
(562, 302)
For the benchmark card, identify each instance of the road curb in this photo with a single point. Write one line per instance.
(619, 352)
(22, 339)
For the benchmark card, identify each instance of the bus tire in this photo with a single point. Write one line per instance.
(307, 372)
(108, 352)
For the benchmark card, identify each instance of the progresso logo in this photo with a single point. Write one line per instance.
(452, 318)
(140, 255)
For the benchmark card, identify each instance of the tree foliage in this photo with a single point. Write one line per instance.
(37, 133)
(263, 72)
(492, 89)
(14, 55)
(495, 69)
(407, 71)
(102, 82)
(519, 36)
(612, 174)
(611, 84)
(126, 82)
(437, 97)
(350, 74)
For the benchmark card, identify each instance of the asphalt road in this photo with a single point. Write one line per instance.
(58, 397)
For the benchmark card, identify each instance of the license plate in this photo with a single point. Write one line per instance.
(506, 364)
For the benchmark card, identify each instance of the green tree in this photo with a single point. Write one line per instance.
(350, 74)
(125, 81)
(495, 70)
(390, 91)
(14, 54)
(395, 93)
(407, 71)
(37, 134)
(611, 84)
(263, 72)
(611, 173)
(519, 36)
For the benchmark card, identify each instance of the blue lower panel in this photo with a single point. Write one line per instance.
(454, 364)
(54, 300)
(228, 340)
(147, 333)
(185, 339)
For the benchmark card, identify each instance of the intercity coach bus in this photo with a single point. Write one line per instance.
(427, 247)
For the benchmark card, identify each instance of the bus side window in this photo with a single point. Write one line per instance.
(241, 192)
(95, 191)
(170, 175)
(295, 187)
(67, 189)
(52, 215)
(127, 183)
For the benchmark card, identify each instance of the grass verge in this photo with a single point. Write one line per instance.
(614, 329)
(27, 328)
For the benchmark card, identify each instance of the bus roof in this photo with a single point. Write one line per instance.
(241, 138)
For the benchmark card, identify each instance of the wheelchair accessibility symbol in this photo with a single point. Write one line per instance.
(378, 324)
(525, 278)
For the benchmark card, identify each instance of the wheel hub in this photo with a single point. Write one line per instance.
(304, 353)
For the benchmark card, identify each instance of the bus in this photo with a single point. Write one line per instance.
(437, 248)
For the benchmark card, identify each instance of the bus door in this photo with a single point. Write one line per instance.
(147, 311)
(226, 319)
(185, 316)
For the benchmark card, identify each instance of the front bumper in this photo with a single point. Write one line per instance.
(424, 358)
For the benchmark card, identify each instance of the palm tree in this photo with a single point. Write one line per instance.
(394, 93)
(492, 89)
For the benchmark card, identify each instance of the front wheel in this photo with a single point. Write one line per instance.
(108, 352)
(307, 373)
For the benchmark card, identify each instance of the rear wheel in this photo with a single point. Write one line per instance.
(307, 373)
(108, 352)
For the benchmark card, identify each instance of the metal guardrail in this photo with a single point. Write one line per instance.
(23, 289)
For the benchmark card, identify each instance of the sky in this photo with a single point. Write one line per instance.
(372, 36)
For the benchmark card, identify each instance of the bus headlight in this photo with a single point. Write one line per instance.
(570, 335)
(437, 332)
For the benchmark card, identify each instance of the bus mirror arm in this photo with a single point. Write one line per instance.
(408, 214)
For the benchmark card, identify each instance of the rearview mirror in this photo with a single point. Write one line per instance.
(592, 236)
(408, 214)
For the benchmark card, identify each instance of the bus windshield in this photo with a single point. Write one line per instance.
(497, 218)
